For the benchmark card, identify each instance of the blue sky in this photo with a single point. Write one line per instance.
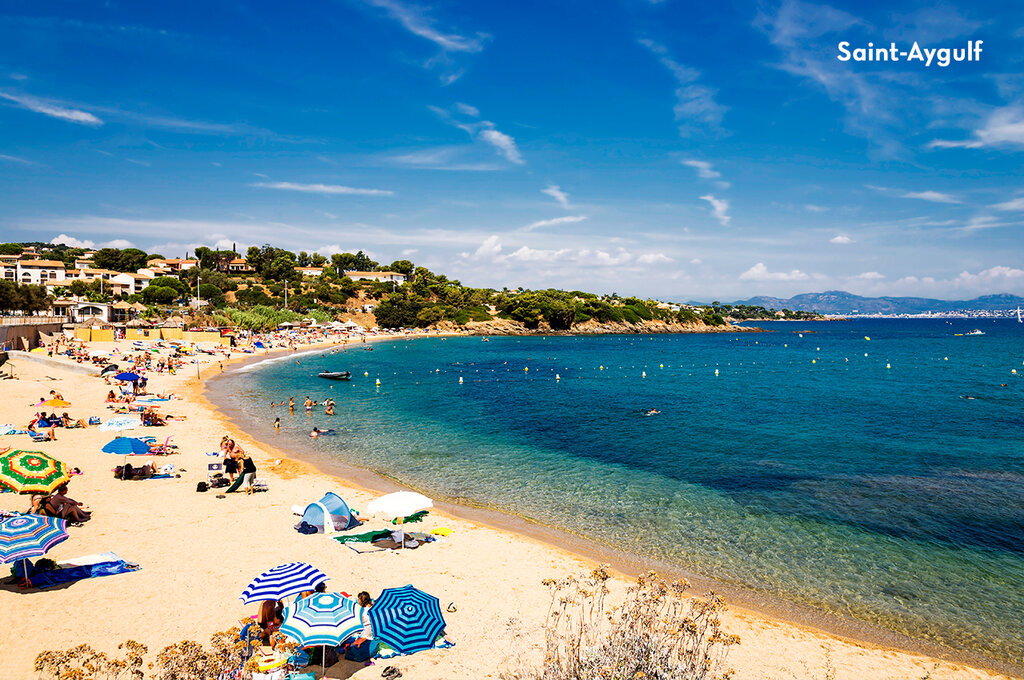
(672, 149)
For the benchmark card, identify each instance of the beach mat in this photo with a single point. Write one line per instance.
(367, 537)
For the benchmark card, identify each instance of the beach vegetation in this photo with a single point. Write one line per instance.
(657, 632)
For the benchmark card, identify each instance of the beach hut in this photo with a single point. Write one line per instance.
(329, 514)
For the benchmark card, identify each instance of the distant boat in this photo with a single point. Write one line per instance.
(1018, 316)
(335, 375)
(976, 331)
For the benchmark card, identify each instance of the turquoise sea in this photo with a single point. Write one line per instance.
(879, 479)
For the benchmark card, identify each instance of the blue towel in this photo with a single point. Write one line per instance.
(48, 579)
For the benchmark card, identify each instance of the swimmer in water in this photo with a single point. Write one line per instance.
(330, 408)
(291, 404)
(653, 412)
(277, 423)
(309, 404)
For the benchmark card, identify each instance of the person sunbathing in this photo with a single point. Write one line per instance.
(68, 421)
(67, 508)
(38, 505)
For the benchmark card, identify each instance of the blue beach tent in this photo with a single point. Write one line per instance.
(329, 514)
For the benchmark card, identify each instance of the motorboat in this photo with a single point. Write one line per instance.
(335, 375)
(976, 331)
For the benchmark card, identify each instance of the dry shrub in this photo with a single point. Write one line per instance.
(658, 633)
(185, 660)
(85, 663)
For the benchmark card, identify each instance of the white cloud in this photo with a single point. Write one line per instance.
(409, 251)
(16, 159)
(330, 189)
(696, 260)
(554, 192)
(118, 243)
(417, 22)
(452, 158)
(467, 110)
(870, 276)
(71, 242)
(1004, 127)
(1015, 205)
(653, 258)
(490, 248)
(491, 251)
(52, 109)
(485, 131)
(759, 272)
(811, 207)
(841, 239)
(719, 208)
(503, 143)
(696, 109)
(703, 168)
(933, 196)
(552, 222)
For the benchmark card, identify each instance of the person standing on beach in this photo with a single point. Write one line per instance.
(248, 472)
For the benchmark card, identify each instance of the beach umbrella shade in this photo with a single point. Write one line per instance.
(129, 377)
(282, 581)
(32, 471)
(24, 536)
(322, 619)
(119, 423)
(59, 403)
(407, 618)
(126, 446)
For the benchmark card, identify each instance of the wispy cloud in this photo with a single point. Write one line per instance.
(329, 189)
(17, 159)
(556, 193)
(467, 110)
(841, 240)
(1015, 205)
(1004, 127)
(870, 276)
(759, 272)
(492, 251)
(484, 131)
(703, 168)
(452, 158)
(555, 221)
(52, 109)
(811, 207)
(933, 196)
(719, 208)
(418, 22)
(695, 110)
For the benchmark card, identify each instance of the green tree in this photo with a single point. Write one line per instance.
(401, 266)
(10, 249)
(159, 295)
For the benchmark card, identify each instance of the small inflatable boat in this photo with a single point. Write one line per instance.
(335, 375)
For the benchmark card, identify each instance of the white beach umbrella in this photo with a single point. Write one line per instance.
(399, 504)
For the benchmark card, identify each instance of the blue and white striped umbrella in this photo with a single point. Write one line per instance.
(322, 619)
(24, 536)
(283, 580)
(406, 618)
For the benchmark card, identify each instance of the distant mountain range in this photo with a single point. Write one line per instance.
(841, 302)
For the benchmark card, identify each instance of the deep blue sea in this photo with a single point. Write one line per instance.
(880, 479)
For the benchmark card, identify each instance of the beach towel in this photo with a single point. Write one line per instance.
(414, 517)
(385, 651)
(367, 537)
(68, 572)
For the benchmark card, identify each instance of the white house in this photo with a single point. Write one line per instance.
(32, 271)
(130, 284)
(311, 272)
(378, 276)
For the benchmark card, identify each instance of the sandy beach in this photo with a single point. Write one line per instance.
(197, 551)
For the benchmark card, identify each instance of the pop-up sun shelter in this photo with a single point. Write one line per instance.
(329, 514)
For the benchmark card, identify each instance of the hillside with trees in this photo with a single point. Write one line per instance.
(273, 290)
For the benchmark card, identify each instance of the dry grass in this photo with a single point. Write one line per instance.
(657, 633)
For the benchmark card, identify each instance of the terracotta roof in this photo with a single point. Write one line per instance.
(42, 263)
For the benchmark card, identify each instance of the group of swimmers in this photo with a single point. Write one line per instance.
(328, 405)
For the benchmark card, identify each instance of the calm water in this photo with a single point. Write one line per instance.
(806, 469)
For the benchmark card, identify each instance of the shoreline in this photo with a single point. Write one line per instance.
(741, 600)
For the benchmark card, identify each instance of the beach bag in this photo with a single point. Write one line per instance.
(306, 528)
(200, 487)
(362, 649)
(94, 420)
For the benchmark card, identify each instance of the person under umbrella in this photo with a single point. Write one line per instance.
(25, 536)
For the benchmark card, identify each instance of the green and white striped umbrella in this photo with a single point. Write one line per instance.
(32, 472)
